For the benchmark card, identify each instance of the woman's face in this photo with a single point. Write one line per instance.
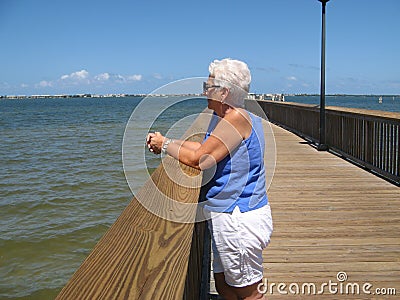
(213, 94)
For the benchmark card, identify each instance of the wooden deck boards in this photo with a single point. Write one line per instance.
(330, 216)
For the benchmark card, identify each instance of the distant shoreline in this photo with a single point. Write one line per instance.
(168, 95)
(90, 96)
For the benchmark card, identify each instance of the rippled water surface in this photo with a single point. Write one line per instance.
(62, 185)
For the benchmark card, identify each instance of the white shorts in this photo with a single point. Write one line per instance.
(238, 240)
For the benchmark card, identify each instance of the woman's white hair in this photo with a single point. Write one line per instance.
(234, 75)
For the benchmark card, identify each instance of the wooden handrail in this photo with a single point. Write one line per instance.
(142, 255)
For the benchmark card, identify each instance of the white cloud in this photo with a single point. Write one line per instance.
(291, 78)
(82, 80)
(45, 83)
(136, 77)
(117, 77)
(79, 75)
(157, 76)
(82, 74)
(102, 77)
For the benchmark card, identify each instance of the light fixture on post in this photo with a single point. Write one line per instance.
(322, 146)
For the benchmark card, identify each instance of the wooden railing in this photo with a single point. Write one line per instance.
(368, 138)
(144, 255)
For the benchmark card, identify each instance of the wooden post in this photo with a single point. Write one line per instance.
(198, 275)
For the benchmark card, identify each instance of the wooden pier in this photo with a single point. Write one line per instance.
(330, 216)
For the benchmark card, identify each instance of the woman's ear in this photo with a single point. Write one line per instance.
(224, 93)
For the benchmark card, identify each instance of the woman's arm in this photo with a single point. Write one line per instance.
(226, 136)
(186, 144)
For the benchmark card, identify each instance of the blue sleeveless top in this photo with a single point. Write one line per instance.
(239, 178)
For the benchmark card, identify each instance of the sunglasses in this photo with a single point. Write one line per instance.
(207, 86)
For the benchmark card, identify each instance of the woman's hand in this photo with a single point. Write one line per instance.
(155, 142)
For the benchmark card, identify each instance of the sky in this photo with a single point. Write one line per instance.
(130, 46)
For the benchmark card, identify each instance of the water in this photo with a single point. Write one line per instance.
(62, 185)
(389, 103)
(62, 182)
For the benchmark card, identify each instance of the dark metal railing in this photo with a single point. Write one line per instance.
(368, 138)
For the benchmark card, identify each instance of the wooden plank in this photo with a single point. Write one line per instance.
(144, 255)
(135, 257)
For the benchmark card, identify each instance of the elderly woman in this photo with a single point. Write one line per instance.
(232, 158)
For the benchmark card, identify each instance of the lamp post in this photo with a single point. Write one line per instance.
(322, 146)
